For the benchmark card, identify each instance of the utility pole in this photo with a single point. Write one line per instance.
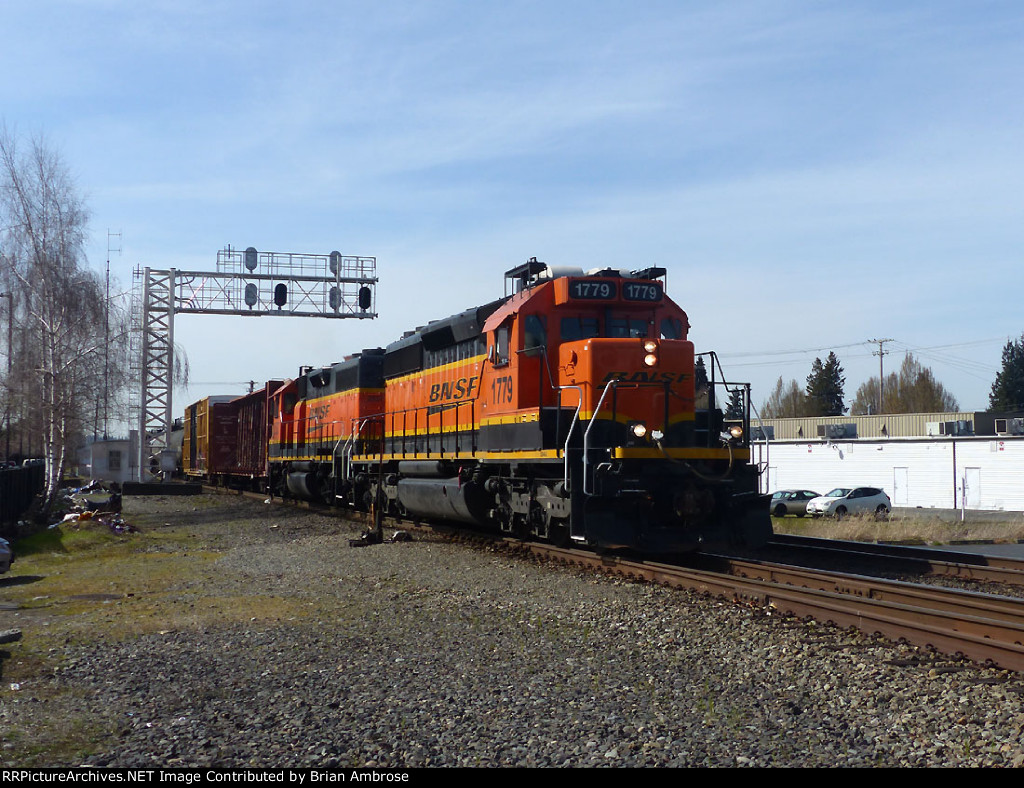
(881, 377)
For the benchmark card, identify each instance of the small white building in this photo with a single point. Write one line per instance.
(111, 460)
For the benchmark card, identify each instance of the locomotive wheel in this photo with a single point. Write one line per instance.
(559, 533)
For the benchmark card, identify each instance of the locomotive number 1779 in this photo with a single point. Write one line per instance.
(501, 389)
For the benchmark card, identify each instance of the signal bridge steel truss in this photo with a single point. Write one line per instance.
(246, 282)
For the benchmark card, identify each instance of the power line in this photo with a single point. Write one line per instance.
(764, 353)
(192, 383)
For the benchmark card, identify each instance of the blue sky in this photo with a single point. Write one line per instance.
(813, 175)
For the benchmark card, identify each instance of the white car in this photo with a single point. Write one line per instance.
(850, 500)
(6, 555)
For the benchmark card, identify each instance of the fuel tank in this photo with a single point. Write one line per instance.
(445, 499)
(304, 485)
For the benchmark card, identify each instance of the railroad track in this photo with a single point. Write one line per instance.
(905, 560)
(985, 628)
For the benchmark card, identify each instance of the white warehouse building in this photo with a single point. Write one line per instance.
(949, 467)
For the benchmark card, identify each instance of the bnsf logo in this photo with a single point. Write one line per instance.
(646, 377)
(453, 389)
(319, 413)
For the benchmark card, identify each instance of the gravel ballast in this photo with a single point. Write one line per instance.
(426, 653)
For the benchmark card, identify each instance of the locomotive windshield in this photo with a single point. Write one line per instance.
(626, 327)
(574, 328)
(615, 327)
(671, 328)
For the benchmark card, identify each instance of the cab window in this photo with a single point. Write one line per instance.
(626, 328)
(534, 333)
(671, 328)
(501, 346)
(574, 328)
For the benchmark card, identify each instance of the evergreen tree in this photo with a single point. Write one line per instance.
(735, 408)
(700, 384)
(825, 387)
(700, 375)
(1008, 389)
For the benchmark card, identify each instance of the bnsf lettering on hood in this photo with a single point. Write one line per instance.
(452, 390)
(646, 377)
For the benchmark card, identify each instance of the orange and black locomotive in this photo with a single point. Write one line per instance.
(573, 409)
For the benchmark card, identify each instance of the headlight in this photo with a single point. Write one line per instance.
(650, 359)
(650, 345)
(639, 429)
(736, 432)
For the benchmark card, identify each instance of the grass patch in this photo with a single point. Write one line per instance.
(78, 585)
(62, 541)
(926, 530)
(69, 737)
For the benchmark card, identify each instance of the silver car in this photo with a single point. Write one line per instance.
(851, 500)
(791, 502)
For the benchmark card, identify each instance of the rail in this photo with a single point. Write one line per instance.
(985, 628)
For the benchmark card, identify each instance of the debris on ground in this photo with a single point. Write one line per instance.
(98, 500)
(371, 536)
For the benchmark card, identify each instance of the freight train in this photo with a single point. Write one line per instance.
(573, 409)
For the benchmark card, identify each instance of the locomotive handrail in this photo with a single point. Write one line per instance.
(613, 385)
(568, 435)
(586, 433)
(346, 456)
(459, 433)
(334, 453)
(303, 432)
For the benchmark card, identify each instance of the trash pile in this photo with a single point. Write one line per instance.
(98, 502)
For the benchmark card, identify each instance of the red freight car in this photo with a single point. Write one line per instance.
(226, 438)
(254, 422)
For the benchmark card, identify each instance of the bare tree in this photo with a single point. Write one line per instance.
(60, 304)
(786, 402)
(913, 390)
